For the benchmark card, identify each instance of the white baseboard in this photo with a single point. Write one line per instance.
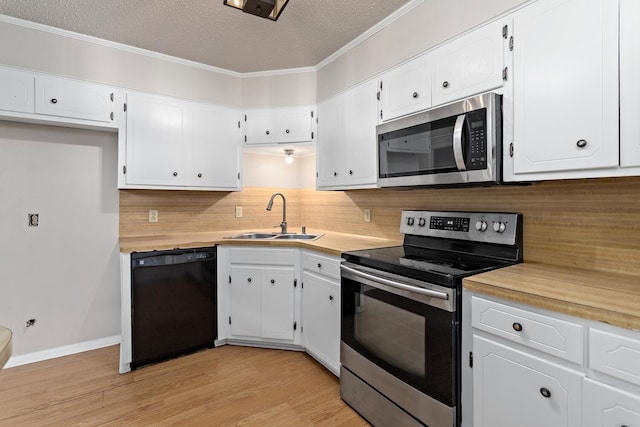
(66, 350)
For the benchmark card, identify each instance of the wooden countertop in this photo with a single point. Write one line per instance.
(607, 297)
(5, 345)
(330, 243)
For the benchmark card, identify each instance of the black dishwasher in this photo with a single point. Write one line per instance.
(173, 303)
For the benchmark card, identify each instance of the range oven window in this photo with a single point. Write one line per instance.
(410, 340)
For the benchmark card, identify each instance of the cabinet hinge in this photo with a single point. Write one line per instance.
(238, 124)
(301, 285)
(312, 114)
(245, 117)
(125, 107)
(380, 114)
(229, 319)
(229, 278)
(471, 359)
(245, 138)
(295, 283)
(111, 97)
(505, 74)
(378, 96)
(238, 176)
(295, 325)
(511, 149)
(505, 31)
(312, 135)
(111, 115)
(316, 174)
(302, 329)
(380, 84)
(511, 43)
(124, 169)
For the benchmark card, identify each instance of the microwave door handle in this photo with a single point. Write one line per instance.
(457, 142)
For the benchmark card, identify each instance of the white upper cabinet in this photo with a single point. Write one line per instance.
(213, 151)
(629, 83)
(17, 91)
(280, 125)
(405, 89)
(74, 99)
(471, 64)
(565, 87)
(346, 149)
(174, 143)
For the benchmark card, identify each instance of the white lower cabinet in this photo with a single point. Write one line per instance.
(523, 376)
(512, 388)
(321, 309)
(607, 406)
(261, 304)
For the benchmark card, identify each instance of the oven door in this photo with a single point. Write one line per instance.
(453, 144)
(401, 336)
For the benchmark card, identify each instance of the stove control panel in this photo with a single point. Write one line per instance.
(489, 227)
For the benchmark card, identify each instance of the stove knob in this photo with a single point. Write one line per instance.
(410, 221)
(499, 227)
(481, 226)
(422, 222)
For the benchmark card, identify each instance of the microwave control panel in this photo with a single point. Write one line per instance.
(477, 128)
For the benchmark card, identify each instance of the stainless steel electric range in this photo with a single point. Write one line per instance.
(401, 316)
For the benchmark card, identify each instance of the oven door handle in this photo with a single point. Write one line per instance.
(458, 154)
(394, 284)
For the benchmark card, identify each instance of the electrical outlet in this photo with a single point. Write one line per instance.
(238, 211)
(153, 215)
(367, 215)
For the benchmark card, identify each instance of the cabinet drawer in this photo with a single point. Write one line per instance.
(606, 406)
(615, 354)
(321, 264)
(548, 334)
(262, 256)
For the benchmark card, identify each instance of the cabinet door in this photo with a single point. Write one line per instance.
(629, 83)
(17, 91)
(330, 152)
(78, 100)
(245, 301)
(360, 135)
(406, 89)
(294, 124)
(565, 86)
(214, 150)
(469, 65)
(155, 127)
(512, 388)
(321, 320)
(277, 306)
(606, 406)
(260, 127)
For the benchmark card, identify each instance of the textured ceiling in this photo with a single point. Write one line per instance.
(206, 31)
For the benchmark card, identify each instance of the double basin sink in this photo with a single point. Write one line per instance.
(275, 236)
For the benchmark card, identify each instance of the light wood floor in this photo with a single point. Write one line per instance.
(225, 386)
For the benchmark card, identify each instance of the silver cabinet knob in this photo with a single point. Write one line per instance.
(445, 84)
(415, 94)
(581, 143)
(545, 392)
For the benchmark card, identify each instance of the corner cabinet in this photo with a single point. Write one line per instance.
(262, 304)
(283, 125)
(530, 368)
(321, 309)
(346, 148)
(565, 90)
(171, 143)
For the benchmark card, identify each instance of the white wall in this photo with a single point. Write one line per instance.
(279, 90)
(269, 170)
(65, 272)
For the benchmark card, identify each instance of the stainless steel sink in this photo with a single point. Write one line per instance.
(297, 236)
(274, 236)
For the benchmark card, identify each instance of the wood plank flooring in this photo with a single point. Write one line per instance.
(225, 386)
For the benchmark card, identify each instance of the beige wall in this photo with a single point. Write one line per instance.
(279, 90)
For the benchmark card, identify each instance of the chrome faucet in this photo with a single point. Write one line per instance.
(283, 224)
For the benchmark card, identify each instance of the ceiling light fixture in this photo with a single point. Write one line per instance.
(270, 9)
(289, 153)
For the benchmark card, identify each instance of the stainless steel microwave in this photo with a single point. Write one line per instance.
(459, 143)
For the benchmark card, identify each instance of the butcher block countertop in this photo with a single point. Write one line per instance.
(5, 345)
(607, 297)
(330, 243)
